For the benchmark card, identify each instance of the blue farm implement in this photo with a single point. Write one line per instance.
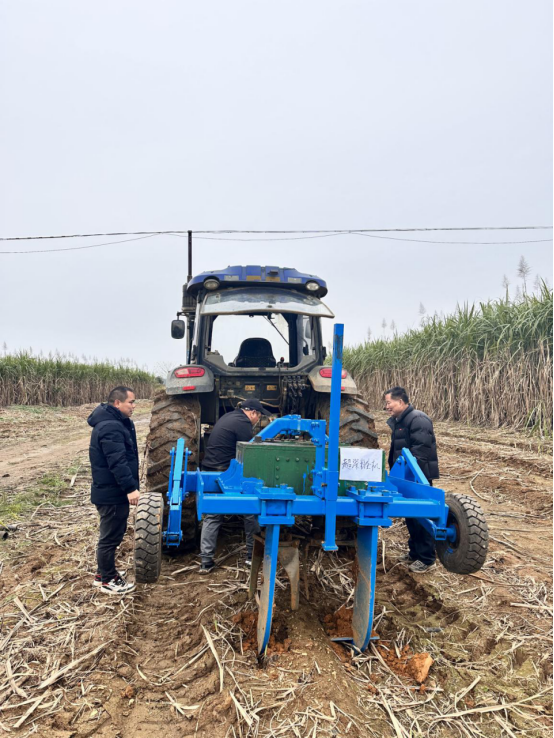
(455, 522)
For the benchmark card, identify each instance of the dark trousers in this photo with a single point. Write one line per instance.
(211, 523)
(113, 524)
(210, 528)
(421, 544)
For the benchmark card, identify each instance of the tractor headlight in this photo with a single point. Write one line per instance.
(211, 284)
(312, 286)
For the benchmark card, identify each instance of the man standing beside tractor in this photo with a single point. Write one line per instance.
(222, 448)
(412, 429)
(115, 481)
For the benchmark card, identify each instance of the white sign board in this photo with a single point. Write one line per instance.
(361, 464)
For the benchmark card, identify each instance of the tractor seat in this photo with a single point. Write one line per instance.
(255, 352)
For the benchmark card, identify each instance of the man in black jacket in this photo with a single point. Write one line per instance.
(412, 429)
(222, 448)
(115, 481)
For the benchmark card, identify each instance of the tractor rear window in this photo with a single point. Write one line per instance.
(241, 301)
(260, 341)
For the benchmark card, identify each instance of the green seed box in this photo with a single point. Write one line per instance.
(285, 462)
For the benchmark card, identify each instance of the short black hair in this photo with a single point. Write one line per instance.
(118, 393)
(398, 393)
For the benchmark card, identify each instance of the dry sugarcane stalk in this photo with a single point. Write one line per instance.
(11, 680)
(30, 711)
(60, 672)
(465, 691)
(495, 708)
(216, 657)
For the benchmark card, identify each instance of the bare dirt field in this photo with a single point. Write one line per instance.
(174, 659)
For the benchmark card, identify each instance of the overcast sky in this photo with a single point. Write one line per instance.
(134, 116)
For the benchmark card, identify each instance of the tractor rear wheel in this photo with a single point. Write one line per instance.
(357, 425)
(468, 552)
(173, 417)
(148, 538)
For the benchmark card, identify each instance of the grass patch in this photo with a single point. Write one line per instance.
(47, 490)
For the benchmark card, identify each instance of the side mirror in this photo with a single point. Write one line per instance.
(324, 351)
(177, 329)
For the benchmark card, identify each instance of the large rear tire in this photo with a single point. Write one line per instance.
(357, 425)
(148, 538)
(468, 552)
(173, 417)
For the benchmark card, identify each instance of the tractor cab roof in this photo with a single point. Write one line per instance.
(254, 276)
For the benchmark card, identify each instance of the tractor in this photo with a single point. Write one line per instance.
(250, 332)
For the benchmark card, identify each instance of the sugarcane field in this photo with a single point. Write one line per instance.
(276, 369)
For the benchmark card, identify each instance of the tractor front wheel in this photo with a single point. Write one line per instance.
(468, 552)
(148, 538)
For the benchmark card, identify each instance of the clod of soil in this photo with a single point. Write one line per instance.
(339, 623)
(279, 642)
(246, 621)
(414, 666)
(418, 667)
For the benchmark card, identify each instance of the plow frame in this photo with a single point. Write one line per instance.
(404, 493)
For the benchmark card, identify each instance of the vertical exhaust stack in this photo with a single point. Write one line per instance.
(189, 275)
(188, 308)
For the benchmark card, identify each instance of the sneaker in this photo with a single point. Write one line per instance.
(206, 567)
(418, 567)
(98, 577)
(117, 586)
(248, 561)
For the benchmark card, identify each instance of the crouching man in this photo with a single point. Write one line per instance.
(221, 449)
(115, 481)
(412, 429)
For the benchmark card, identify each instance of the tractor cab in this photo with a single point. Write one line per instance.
(256, 332)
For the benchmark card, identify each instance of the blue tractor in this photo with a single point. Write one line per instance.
(250, 331)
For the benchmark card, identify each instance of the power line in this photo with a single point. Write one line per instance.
(255, 240)
(329, 231)
(470, 243)
(76, 248)
(368, 235)
(316, 234)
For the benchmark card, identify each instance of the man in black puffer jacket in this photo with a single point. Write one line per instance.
(412, 429)
(115, 481)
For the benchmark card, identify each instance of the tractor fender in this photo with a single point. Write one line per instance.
(323, 384)
(189, 385)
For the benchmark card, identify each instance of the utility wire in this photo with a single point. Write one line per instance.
(329, 231)
(317, 234)
(470, 243)
(356, 233)
(77, 248)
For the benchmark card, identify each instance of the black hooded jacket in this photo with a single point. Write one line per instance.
(113, 456)
(414, 430)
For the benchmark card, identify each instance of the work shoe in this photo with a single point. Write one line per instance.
(98, 577)
(418, 567)
(206, 567)
(117, 586)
